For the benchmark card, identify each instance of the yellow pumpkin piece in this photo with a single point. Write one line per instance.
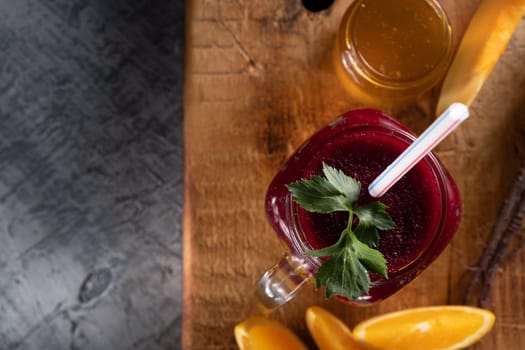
(485, 39)
(261, 333)
(429, 328)
(330, 333)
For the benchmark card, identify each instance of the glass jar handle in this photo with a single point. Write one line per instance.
(281, 282)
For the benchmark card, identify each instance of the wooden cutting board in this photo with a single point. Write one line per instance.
(258, 82)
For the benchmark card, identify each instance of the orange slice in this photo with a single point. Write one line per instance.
(436, 327)
(260, 333)
(330, 333)
(485, 39)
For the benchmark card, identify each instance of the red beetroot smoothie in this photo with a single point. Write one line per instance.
(424, 204)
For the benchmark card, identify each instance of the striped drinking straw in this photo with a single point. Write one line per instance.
(434, 134)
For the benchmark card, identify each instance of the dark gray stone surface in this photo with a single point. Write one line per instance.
(90, 174)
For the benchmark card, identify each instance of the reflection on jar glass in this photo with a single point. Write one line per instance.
(389, 52)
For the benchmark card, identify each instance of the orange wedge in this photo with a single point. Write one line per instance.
(485, 39)
(260, 333)
(429, 328)
(330, 333)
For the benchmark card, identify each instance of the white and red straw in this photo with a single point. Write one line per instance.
(455, 114)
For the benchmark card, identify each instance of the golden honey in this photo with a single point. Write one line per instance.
(388, 52)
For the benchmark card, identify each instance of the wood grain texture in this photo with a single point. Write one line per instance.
(258, 83)
(90, 174)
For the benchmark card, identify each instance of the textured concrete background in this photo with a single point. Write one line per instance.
(90, 174)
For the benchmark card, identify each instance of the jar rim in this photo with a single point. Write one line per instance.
(301, 244)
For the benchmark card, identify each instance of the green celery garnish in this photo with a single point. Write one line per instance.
(345, 273)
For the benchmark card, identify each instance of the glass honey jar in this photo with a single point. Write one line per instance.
(390, 52)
